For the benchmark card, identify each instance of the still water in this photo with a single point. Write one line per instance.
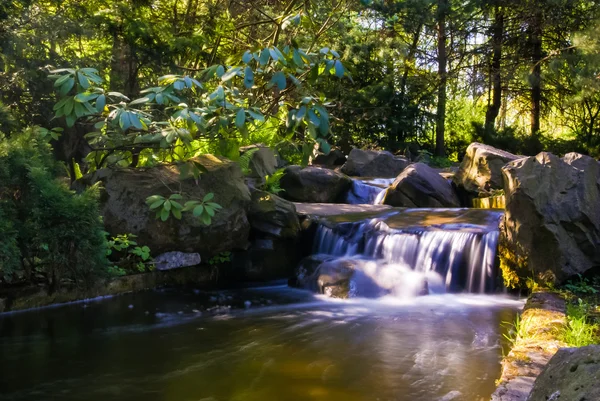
(273, 343)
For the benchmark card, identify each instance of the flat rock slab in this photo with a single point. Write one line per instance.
(542, 319)
(332, 209)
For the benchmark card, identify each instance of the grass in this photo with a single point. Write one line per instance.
(579, 330)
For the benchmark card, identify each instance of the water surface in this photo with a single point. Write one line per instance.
(283, 344)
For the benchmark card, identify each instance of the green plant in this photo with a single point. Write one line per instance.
(245, 159)
(204, 209)
(166, 207)
(581, 287)
(222, 257)
(579, 332)
(128, 254)
(273, 182)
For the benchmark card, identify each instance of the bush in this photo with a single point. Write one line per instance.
(53, 234)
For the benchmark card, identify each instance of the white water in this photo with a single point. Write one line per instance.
(414, 260)
(368, 191)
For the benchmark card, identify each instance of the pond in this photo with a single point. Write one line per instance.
(270, 343)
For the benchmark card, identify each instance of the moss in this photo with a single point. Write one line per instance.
(513, 265)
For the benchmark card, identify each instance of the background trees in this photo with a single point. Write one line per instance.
(437, 73)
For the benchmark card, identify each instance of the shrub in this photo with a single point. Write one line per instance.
(55, 235)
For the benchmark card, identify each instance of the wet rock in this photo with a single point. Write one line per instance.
(571, 374)
(334, 158)
(174, 260)
(552, 220)
(124, 209)
(314, 184)
(372, 163)
(421, 186)
(481, 169)
(272, 215)
(263, 160)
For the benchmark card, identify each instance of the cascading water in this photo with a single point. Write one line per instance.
(413, 251)
(368, 191)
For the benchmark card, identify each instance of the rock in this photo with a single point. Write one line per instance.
(174, 260)
(421, 186)
(334, 158)
(314, 184)
(552, 220)
(372, 163)
(481, 169)
(124, 209)
(263, 160)
(2, 304)
(571, 374)
(272, 215)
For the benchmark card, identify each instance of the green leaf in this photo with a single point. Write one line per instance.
(69, 106)
(141, 100)
(198, 210)
(60, 103)
(167, 205)
(164, 214)
(157, 204)
(256, 116)
(176, 213)
(176, 205)
(83, 81)
(233, 72)
(220, 71)
(61, 80)
(279, 80)
(247, 57)
(153, 198)
(67, 86)
(176, 196)
(214, 205)
(209, 210)
(248, 78)
(85, 97)
(240, 118)
(325, 147)
(301, 113)
(206, 219)
(339, 69)
(264, 57)
(314, 119)
(70, 120)
(209, 196)
(100, 103)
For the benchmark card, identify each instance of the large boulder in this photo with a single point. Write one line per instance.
(552, 220)
(314, 184)
(124, 208)
(571, 374)
(421, 186)
(481, 169)
(372, 163)
(334, 158)
(271, 215)
(260, 159)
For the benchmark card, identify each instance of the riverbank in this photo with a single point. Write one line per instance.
(536, 339)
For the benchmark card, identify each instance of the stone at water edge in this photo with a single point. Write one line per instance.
(552, 219)
(572, 374)
(314, 184)
(372, 163)
(481, 169)
(269, 214)
(263, 160)
(421, 186)
(124, 209)
(174, 260)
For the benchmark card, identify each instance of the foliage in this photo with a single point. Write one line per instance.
(245, 159)
(128, 256)
(579, 332)
(582, 286)
(222, 257)
(272, 182)
(49, 232)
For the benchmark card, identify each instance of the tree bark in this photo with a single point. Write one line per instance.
(442, 59)
(495, 69)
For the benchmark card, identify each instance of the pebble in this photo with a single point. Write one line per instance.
(247, 304)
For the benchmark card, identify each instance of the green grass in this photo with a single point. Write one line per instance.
(579, 331)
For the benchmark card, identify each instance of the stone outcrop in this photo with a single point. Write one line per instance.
(175, 260)
(552, 220)
(421, 186)
(571, 374)
(481, 169)
(334, 158)
(372, 163)
(314, 184)
(271, 215)
(124, 208)
(263, 161)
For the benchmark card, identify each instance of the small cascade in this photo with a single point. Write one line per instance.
(415, 251)
(368, 191)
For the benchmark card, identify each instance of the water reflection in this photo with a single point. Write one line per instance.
(426, 349)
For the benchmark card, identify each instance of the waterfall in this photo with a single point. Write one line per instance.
(456, 255)
(368, 191)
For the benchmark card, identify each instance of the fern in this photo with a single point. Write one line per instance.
(272, 182)
(245, 160)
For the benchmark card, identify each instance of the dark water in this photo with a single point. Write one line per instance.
(157, 346)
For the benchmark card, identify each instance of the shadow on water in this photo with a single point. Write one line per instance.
(255, 344)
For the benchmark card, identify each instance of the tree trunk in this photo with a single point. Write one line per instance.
(442, 9)
(495, 69)
(535, 78)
